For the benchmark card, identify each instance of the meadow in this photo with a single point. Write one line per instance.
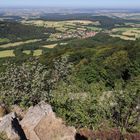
(126, 33)
(7, 53)
(50, 46)
(10, 53)
(60, 25)
(4, 40)
(15, 44)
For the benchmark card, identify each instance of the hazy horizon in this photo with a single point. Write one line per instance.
(97, 4)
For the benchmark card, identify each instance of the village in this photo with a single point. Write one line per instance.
(67, 29)
(75, 34)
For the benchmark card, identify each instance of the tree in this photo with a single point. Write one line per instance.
(31, 82)
(125, 108)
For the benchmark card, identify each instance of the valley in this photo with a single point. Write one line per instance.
(50, 33)
(72, 72)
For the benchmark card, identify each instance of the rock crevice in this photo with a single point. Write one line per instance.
(39, 123)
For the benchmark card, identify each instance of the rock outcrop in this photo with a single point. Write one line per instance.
(40, 123)
(33, 117)
(52, 128)
(9, 125)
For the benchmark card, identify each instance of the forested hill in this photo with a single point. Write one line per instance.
(106, 22)
(15, 31)
(91, 83)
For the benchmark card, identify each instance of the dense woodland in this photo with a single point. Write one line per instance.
(92, 83)
(106, 22)
(15, 31)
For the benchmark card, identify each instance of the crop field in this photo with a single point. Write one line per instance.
(49, 46)
(27, 52)
(66, 29)
(10, 53)
(95, 28)
(85, 22)
(61, 25)
(7, 53)
(37, 52)
(126, 33)
(58, 23)
(19, 43)
(124, 37)
(4, 40)
(134, 25)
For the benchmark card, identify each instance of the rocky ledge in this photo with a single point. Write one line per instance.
(39, 123)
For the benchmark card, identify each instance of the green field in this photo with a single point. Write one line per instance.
(49, 46)
(19, 43)
(10, 53)
(4, 40)
(94, 28)
(7, 53)
(65, 28)
(129, 33)
(27, 52)
(37, 52)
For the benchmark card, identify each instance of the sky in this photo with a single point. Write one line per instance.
(72, 3)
